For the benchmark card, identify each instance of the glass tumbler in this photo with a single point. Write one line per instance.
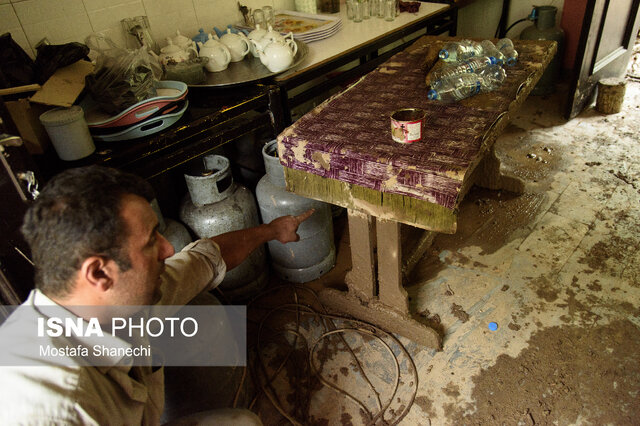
(389, 10)
(269, 17)
(373, 7)
(258, 19)
(349, 4)
(357, 11)
(366, 9)
(380, 8)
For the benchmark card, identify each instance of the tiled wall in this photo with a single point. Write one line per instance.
(62, 21)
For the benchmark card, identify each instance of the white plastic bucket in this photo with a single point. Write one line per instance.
(69, 132)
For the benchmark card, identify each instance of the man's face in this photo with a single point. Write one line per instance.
(146, 248)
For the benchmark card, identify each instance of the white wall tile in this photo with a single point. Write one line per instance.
(93, 5)
(59, 30)
(159, 7)
(219, 15)
(42, 11)
(9, 23)
(60, 21)
(289, 5)
(8, 18)
(107, 20)
(167, 16)
(111, 16)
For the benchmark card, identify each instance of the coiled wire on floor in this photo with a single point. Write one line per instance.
(307, 375)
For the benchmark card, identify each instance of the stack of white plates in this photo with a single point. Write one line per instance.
(306, 26)
(308, 38)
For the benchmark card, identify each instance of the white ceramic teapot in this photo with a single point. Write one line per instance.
(238, 45)
(218, 54)
(256, 35)
(277, 57)
(273, 35)
(172, 54)
(182, 42)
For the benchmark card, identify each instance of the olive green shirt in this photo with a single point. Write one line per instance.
(116, 394)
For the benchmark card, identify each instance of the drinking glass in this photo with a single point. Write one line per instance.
(268, 15)
(389, 10)
(258, 19)
(380, 8)
(357, 11)
(373, 7)
(349, 4)
(366, 11)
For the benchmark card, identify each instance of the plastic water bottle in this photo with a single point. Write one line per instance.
(504, 42)
(449, 69)
(459, 51)
(455, 87)
(475, 64)
(489, 49)
(492, 77)
(505, 45)
(455, 68)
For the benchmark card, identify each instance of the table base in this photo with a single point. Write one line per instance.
(379, 314)
(376, 294)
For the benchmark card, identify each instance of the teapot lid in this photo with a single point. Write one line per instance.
(228, 35)
(257, 31)
(201, 36)
(170, 47)
(180, 39)
(211, 41)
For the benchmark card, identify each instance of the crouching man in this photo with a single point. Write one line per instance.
(95, 242)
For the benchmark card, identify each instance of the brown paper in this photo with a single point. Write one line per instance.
(26, 117)
(64, 86)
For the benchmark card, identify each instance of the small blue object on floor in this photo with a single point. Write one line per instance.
(493, 326)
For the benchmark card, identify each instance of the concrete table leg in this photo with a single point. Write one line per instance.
(488, 175)
(391, 291)
(361, 280)
(388, 307)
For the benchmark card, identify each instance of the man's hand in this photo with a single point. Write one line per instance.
(235, 246)
(286, 227)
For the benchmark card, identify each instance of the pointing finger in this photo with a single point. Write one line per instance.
(304, 216)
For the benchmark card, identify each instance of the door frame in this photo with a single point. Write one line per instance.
(583, 84)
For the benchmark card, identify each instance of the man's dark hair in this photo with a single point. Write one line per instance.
(77, 215)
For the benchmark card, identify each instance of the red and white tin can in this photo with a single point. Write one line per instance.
(407, 125)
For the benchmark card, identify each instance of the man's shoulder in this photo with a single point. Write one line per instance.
(44, 394)
(38, 389)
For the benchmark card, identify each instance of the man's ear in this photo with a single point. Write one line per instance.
(98, 272)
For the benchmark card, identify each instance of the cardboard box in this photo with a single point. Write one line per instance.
(26, 117)
(64, 86)
(60, 90)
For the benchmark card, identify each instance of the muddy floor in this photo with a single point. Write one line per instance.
(566, 375)
(556, 269)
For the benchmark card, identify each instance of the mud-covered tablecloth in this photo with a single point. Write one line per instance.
(348, 136)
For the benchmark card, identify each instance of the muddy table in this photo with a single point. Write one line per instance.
(342, 153)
